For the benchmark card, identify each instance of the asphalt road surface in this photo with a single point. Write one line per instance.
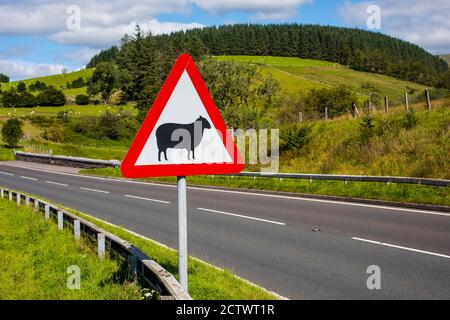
(299, 248)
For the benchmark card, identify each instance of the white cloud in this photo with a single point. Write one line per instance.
(425, 23)
(101, 37)
(24, 70)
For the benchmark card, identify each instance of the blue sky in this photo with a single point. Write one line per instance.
(39, 37)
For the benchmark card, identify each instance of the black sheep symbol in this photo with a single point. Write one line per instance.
(181, 136)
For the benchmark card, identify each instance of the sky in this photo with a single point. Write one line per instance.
(42, 37)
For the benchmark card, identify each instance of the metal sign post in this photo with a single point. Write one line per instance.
(182, 233)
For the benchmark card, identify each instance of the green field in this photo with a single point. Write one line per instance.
(59, 81)
(298, 76)
(74, 110)
(35, 256)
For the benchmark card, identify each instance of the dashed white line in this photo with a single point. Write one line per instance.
(94, 190)
(402, 248)
(57, 183)
(28, 178)
(6, 173)
(147, 199)
(242, 216)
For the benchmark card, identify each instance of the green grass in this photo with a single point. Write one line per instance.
(35, 256)
(6, 154)
(298, 76)
(110, 152)
(59, 81)
(365, 190)
(42, 249)
(74, 110)
(205, 281)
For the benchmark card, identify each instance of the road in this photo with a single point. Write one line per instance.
(299, 248)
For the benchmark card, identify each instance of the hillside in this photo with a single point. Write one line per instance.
(59, 81)
(298, 76)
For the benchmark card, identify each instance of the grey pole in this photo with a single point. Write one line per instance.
(182, 233)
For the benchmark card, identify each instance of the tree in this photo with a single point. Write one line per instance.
(12, 132)
(106, 77)
(82, 99)
(21, 87)
(51, 97)
(336, 100)
(4, 78)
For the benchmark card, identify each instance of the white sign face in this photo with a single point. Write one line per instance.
(184, 132)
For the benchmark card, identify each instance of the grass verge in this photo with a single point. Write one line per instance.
(365, 190)
(206, 282)
(35, 257)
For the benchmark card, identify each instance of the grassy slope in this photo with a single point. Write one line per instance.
(298, 76)
(58, 81)
(35, 257)
(74, 110)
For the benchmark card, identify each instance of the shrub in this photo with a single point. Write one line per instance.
(25, 100)
(12, 132)
(294, 137)
(51, 97)
(409, 119)
(108, 126)
(21, 87)
(82, 100)
(367, 129)
(337, 100)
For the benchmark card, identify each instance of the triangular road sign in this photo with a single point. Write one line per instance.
(183, 133)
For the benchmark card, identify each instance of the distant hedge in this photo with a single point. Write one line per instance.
(82, 99)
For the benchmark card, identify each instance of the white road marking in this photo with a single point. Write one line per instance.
(147, 199)
(94, 190)
(242, 216)
(401, 247)
(57, 183)
(391, 208)
(28, 178)
(6, 173)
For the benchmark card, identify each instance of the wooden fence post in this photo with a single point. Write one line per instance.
(300, 117)
(326, 113)
(406, 101)
(427, 97)
(386, 105)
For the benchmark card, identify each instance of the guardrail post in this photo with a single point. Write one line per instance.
(60, 220)
(47, 211)
(10, 195)
(76, 229)
(18, 198)
(132, 261)
(2, 193)
(27, 201)
(36, 205)
(101, 245)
